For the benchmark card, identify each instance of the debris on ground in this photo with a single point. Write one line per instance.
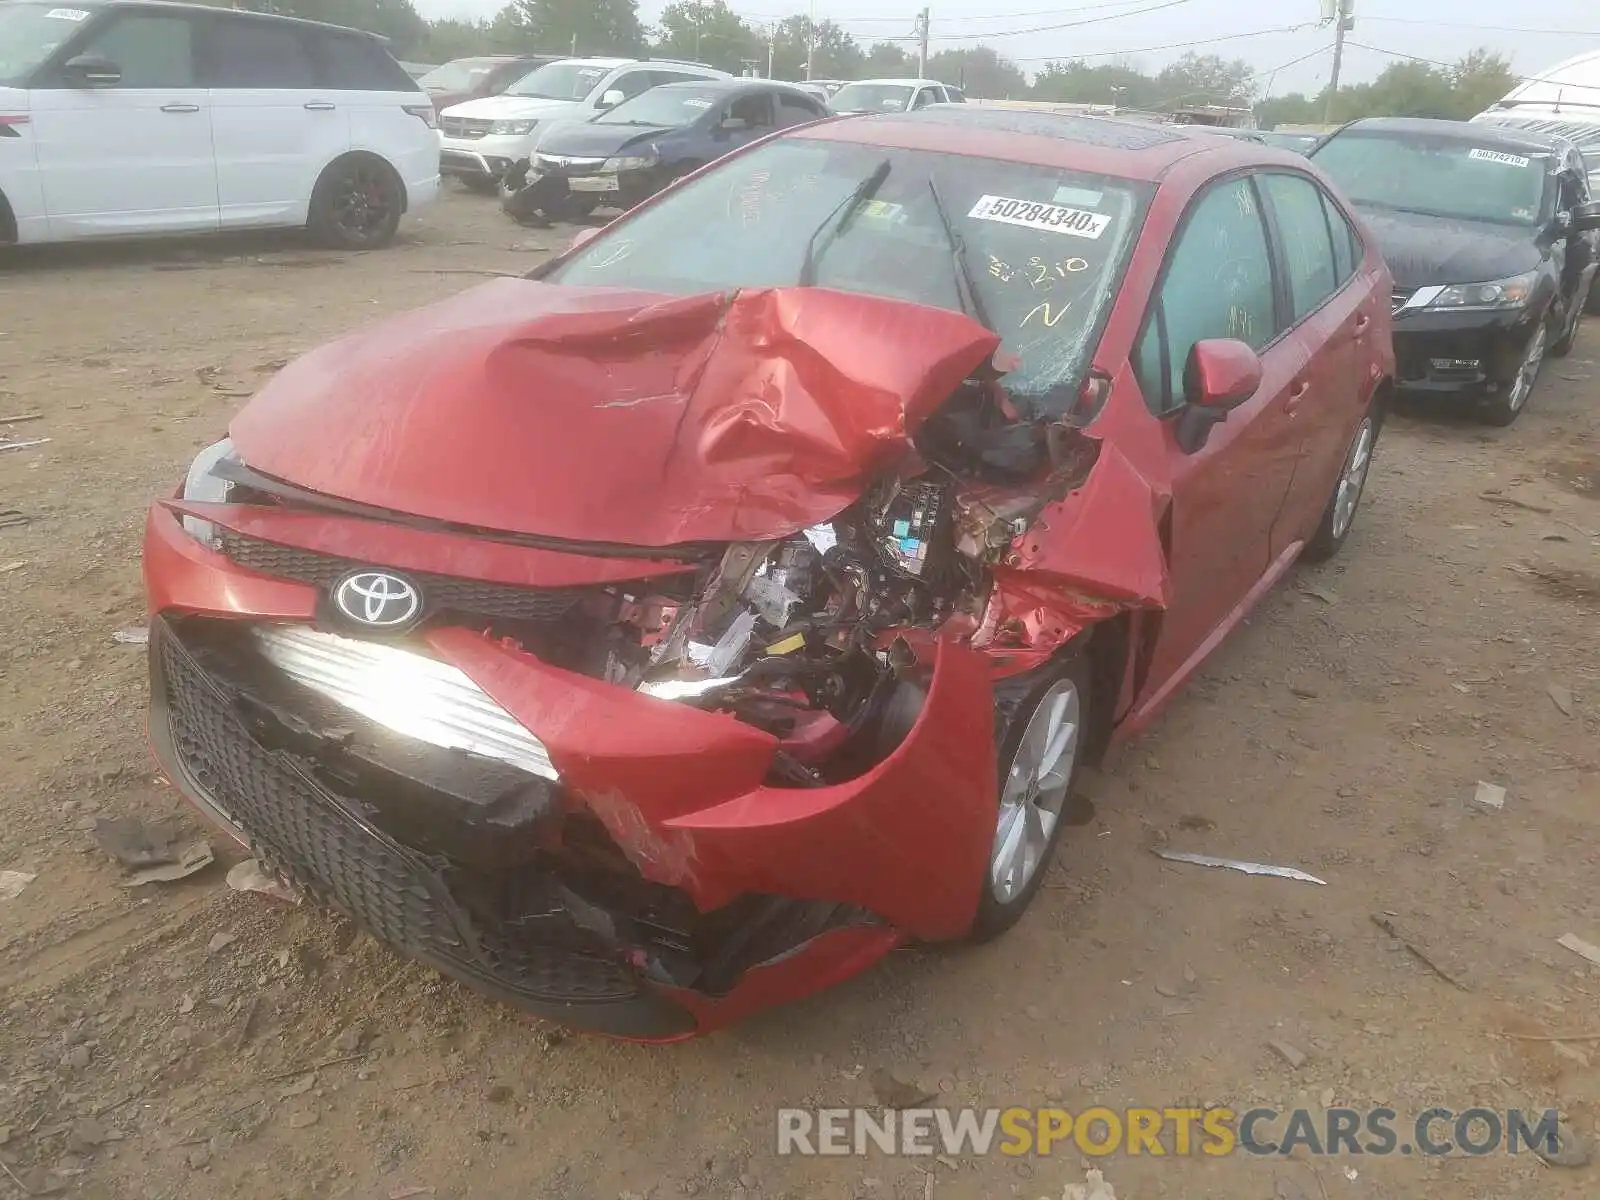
(1387, 923)
(19, 418)
(220, 941)
(135, 844)
(12, 883)
(196, 856)
(137, 635)
(1093, 1187)
(249, 876)
(10, 518)
(1513, 502)
(5, 445)
(1580, 947)
(17, 565)
(1489, 796)
(1289, 1052)
(1561, 697)
(1325, 596)
(892, 1092)
(1570, 1150)
(1234, 864)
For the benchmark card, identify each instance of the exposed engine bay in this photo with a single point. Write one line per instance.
(813, 638)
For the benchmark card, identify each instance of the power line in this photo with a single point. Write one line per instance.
(1434, 62)
(979, 37)
(1486, 28)
(901, 20)
(1227, 37)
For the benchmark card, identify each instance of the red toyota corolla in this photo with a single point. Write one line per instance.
(673, 633)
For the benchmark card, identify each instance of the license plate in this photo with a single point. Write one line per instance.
(592, 184)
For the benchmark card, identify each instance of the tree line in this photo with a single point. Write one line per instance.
(709, 31)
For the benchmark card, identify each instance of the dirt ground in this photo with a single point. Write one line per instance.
(1343, 730)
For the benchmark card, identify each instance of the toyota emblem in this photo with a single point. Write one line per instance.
(377, 599)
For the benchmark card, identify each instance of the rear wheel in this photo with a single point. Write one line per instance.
(1042, 740)
(1507, 405)
(356, 204)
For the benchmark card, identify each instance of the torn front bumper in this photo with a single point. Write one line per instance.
(657, 886)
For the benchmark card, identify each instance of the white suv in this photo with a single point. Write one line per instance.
(483, 139)
(123, 117)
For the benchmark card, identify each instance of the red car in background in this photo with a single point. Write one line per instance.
(463, 79)
(675, 632)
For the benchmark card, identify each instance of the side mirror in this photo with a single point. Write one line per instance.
(732, 124)
(611, 99)
(91, 71)
(1586, 217)
(1220, 375)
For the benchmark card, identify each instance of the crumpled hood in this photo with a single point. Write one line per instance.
(596, 414)
(1423, 250)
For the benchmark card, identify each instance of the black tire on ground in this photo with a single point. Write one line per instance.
(357, 203)
(1508, 403)
(1014, 712)
(1339, 518)
(482, 185)
(1593, 307)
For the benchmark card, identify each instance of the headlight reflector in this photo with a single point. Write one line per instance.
(640, 161)
(202, 484)
(514, 127)
(1499, 293)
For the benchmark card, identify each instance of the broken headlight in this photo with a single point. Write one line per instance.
(203, 484)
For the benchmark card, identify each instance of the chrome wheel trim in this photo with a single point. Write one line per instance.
(1353, 478)
(1035, 790)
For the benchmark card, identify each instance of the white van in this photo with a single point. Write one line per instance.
(483, 139)
(1563, 101)
(123, 117)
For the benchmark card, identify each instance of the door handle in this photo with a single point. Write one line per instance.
(1297, 396)
(1363, 323)
(180, 108)
(319, 106)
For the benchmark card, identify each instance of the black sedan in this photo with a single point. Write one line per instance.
(1491, 235)
(632, 151)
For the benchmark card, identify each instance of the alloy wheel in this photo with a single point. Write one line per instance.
(361, 206)
(1528, 373)
(1035, 790)
(1353, 478)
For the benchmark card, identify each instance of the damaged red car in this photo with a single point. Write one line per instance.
(678, 630)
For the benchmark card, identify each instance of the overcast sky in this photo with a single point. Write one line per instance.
(1541, 33)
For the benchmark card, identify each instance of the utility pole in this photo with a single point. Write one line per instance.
(699, 10)
(922, 44)
(772, 44)
(574, 45)
(1343, 17)
(811, 37)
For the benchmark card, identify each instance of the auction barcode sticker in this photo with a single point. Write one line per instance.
(1499, 156)
(1078, 222)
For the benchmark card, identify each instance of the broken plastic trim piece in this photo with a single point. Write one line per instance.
(1234, 864)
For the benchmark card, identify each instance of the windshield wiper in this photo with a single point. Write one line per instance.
(971, 302)
(837, 219)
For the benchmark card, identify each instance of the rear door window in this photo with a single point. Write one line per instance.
(351, 62)
(257, 54)
(797, 110)
(1307, 242)
(1346, 246)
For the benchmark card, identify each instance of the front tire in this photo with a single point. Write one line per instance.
(1043, 735)
(1339, 518)
(356, 205)
(1508, 404)
(1563, 345)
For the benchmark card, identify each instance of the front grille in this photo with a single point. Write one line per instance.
(325, 845)
(470, 128)
(440, 593)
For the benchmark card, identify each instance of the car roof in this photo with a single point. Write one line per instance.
(1102, 145)
(907, 82)
(592, 62)
(242, 14)
(1485, 134)
(732, 86)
